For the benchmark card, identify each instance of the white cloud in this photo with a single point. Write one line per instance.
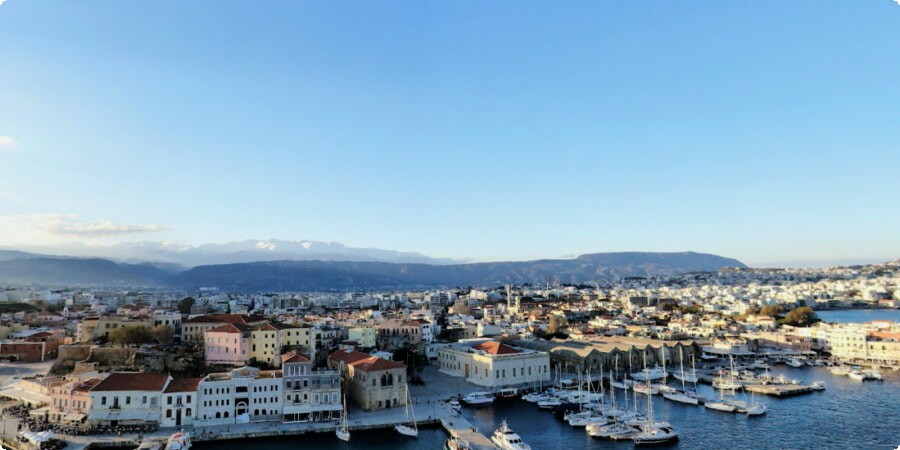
(58, 229)
(1, 1)
(7, 142)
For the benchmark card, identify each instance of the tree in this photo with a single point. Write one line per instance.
(801, 317)
(771, 310)
(163, 334)
(131, 335)
(184, 306)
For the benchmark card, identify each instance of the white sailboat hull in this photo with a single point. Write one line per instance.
(407, 431)
(681, 398)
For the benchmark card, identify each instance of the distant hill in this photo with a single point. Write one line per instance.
(341, 275)
(80, 272)
(316, 275)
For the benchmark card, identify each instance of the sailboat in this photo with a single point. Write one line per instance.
(753, 408)
(690, 377)
(343, 433)
(406, 430)
(683, 396)
(614, 429)
(653, 432)
(646, 388)
(725, 404)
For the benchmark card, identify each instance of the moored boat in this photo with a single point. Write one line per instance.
(179, 441)
(507, 439)
(478, 398)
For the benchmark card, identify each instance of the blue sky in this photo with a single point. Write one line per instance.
(761, 130)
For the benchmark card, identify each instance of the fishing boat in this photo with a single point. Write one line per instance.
(343, 432)
(179, 441)
(507, 439)
(455, 443)
(478, 398)
(405, 428)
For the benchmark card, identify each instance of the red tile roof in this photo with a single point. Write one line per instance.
(294, 356)
(243, 319)
(364, 362)
(183, 385)
(230, 328)
(496, 348)
(120, 381)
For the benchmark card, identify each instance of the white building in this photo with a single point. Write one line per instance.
(127, 398)
(495, 365)
(243, 395)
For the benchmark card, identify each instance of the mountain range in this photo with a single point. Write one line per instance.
(317, 275)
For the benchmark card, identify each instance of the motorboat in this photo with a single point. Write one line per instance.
(858, 375)
(478, 398)
(655, 435)
(507, 439)
(794, 362)
(840, 370)
(153, 444)
(507, 393)
(179, 441)
(726, 383)
(817, 386)
(874, 375)
(760, 364)
(456, 444)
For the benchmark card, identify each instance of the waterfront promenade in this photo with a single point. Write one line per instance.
(429, 405)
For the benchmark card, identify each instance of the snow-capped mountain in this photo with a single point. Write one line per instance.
(245, 251)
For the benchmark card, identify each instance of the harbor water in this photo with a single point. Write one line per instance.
(847, 415)
(858, 315)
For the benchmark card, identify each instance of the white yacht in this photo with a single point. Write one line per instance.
(179, 441)
(646, 389)
(507, 439)
(478, 398)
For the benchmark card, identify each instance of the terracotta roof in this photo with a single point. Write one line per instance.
(86, 385)
(183, 385)
(243, 319)
(375, 363)
(348, 356)
(294, 356)
(230, 328)
(496, 348)
(120, 381)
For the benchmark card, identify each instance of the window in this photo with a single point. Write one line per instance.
(128, 400)
(168, 414)
(103, 400)
(169, 400)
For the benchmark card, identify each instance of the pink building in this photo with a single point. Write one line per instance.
(227, 344)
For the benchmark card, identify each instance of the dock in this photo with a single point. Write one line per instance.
(779, 390)
(461, 428)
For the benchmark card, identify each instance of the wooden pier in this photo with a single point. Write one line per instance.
(779, 390)
(461, 428)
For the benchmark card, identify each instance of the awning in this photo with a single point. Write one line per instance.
(73, 417)
(37, 438)
(126, 415)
